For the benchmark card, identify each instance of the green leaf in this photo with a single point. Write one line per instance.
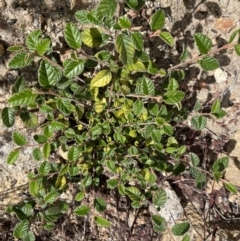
(133, 193)
(167, 38)
(112, 183)
(173, 85)
(125, 47)
(20, 229)
(237, 49)
(178, 168)
(216, 107)
(137, 40)
(233, 35)
(42, 46)
(33, 38)
(137, 107)
(147, 87)
(64, 106)
(168, 129)
(136, 204)
(220, 165)
(73, 153)
(186, 238)
(194, 159)
(92, 37)
(52, 214)
(72, 36)
(200, 180)
(184, 55)
(203, 43)
(40, 139)
(101, 79)
(103, 55)
(156, 136)
(198, 122)
(29, 119)
(106, 8)
(29, 236)
(20, 60)
(51, 197)
(160, 198)
(45, 168)
(100, 204)
(81, 16)
(231, 187)
(173, 97)
(12, 157)
(208, 63)
(37, 154)
(180, 228)
(73, 68)
(96, 130)
(48, 75)
(8, 116)
(19, 139)
(15, 48)
(79, 197)
(157, 20)
(100, 221)
(46, 150)
(19, 85)
(197, 106)
(82, 210)
(160, 223)
(137, 66)
(49, 226)
(124, 22)
(34, 188)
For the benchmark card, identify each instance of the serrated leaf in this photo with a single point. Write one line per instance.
(51, 197)
(173, 97)
(100, 204)
(233, 35)
(29, 119)
(203, 43)
(178, 168)
(160, 223)
(173, 85)
(44, 169)
(103, 55)
(73, 153)
(184, 55)
(186, 238)
(40, 139)
(197, 106)
(52, 214)
(147, 87)
(208, 63)
(200, 180)
(19, 85)
(81, 16)
(72, 36)
(198, 122)
(49, 226)
(33, 38)
(79, 197)
(220, 165)
(37, 154)
(64, 106)
(231, 187)
(48, 75)
(157, 20)
(8, 116)
(137, 107)
(237, 49)
(125, 47)
(137, 66)
(21, 229)
(194, 159)
(19, 139)
(124, 22)
(101, 79)
(46, 150)
(100, 221)
(92, 37)
(34, 188)
(20, 60)
(160, 198)
(167, 38)
(180, 228)
(137, 40)
(42, 46)
(156, 136)
(112, 183)
(15, 48)
(60, 182)
(168, 129)
(12, 157)
(106, 8)
(73, 68)
(29, 236)
(82, 210)
(133, 193)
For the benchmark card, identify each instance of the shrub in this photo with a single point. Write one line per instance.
(110, 118)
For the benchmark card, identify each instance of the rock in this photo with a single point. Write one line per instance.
(220, 75)
(224, 24)
(203, 95)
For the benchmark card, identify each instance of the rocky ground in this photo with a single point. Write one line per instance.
(213, 213)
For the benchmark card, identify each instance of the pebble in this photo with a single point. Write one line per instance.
(203, 95)
(224, 24)
(220, 75)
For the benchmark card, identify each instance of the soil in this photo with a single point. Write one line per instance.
(214, 213)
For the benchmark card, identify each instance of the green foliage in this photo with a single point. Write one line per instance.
(113, 115)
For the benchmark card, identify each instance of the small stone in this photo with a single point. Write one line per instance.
(220, 75)
(203, 95)
(2, 50)
(165, 3)
(224, 24)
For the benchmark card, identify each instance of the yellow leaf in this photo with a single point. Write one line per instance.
(60, 182)
(137, 67)
(101, 79)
